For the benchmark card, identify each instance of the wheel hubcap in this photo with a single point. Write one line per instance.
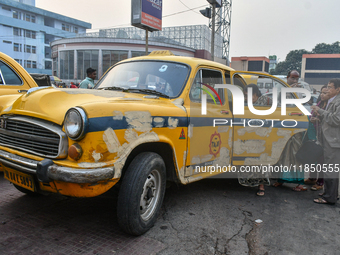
(150, 195)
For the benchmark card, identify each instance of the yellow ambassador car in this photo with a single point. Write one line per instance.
(13, 78)
(141, 125)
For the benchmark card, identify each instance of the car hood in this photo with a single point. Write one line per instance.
(52, 104)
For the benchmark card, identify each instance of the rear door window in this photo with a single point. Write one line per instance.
(8, 76)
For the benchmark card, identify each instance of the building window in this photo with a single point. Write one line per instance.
(65, 27)
(137, 53)
(28, 33)
(17, 47)
(6, 8)
(111, 57)
(55, 66)
(76, 30)
(28, 48)
(34, 64)
(16, 15)
(16, 31)
(34, 49)
(66, 64)
(33, 19)
(19, 61)
(48, 65)
(86, 59)
(28, 63)
(255, 65)
(9, 42)
(28, 17)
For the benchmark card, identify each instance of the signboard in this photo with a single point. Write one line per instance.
(147, 14)
(217, 2)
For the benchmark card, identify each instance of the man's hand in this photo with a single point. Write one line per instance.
(314, 119)
(296, 85)
(315, 109)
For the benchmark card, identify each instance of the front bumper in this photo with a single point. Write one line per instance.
(47, 171)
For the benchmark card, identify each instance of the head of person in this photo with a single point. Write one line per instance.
(333, 87)
(255, 91)
(91, 73)
(293, 77)
(324, 96)
(160, 86)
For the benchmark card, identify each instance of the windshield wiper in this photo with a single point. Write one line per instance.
(114, 88)
(150, 91)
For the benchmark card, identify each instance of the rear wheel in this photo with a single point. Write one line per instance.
(141, 193)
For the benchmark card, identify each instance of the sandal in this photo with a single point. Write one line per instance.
(316, 187)
(321, 194)
(260, 192)
(320, 200)
(277, 184)
(299, 188)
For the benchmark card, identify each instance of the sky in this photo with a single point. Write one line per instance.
(258, 27)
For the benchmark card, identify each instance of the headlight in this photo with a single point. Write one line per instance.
(75, 123)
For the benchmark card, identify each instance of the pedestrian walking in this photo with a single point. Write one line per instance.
(88, 82)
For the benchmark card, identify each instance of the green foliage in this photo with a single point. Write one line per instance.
(292, 62)
(294, 58)
(323, 48)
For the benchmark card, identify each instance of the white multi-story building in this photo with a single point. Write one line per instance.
(26, 32)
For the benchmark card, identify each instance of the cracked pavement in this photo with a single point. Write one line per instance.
(213, 216)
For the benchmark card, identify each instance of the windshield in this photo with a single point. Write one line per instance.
(165, 78)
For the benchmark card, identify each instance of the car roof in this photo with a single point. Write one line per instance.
(182, 59)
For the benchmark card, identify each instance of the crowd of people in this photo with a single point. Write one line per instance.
(324, 127)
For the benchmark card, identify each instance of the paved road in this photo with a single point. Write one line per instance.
(213, 216)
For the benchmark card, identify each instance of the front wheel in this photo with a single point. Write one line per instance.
(26, 191)
(141, 193)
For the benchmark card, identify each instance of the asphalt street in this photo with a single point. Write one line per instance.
(212, 216)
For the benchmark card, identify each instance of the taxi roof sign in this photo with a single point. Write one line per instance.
(162, 53)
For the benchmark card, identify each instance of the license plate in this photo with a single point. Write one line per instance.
(20, 179)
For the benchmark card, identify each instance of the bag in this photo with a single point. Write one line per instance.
(309, 152)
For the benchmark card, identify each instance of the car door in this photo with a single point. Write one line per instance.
(14, 78)
(260, 139)
(209, 147)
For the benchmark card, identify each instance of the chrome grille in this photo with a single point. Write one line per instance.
(31, 135)
(29, 128)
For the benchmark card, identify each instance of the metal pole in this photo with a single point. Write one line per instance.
(213, 31)
(146, 42)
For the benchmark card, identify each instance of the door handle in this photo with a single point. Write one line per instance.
(296, 113)
(224, 112)
(22, 91)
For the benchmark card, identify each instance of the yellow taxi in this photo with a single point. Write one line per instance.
(142, 125)
(13, 78)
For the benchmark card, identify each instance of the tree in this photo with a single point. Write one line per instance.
(292, 62)
(324, 48)
(294, 58)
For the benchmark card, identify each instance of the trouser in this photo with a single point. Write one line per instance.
(331, 178)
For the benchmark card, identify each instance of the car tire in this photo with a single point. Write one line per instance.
(141, 193)
(26, 191)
